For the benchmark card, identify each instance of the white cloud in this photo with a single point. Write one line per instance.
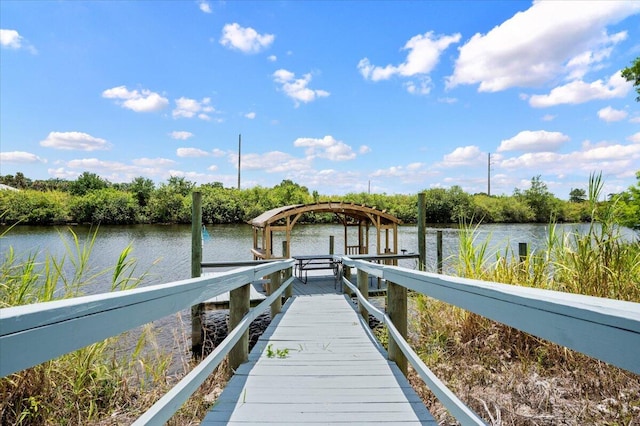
(205, 6)
(447, 100)
(578, 92)
(297, 88)
(250, 115)
(212, 168)
(246, 40)
(609, 114)
(11, 39)
(327, 147)
(272, 162)
(635, 119)
(463, 156)
(424, 52)
(364, 149)
(20, 157)
(635, 138)
(138, 101)
(550, 39)
(181, 135)
(414, 173)
(272, 58)
(191, 152)
(153, 162)
(613, 159)
(218, 152)
(189, 108)
(537, 141)
(74, 141)
(62, 173)
(548, 117)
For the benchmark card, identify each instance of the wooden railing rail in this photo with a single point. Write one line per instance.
(166, 406)
(606, 329)
(32, 334)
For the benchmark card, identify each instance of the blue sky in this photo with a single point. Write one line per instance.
(391, 97)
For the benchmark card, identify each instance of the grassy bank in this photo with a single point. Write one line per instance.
(511, 377)
(101, 383)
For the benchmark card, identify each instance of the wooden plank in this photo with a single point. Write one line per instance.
(334, 372)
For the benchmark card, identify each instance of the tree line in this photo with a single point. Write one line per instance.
(92, 199)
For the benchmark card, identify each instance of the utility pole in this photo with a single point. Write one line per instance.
(239, 153)
(489, 175)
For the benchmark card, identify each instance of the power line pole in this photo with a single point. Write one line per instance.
(489, 175)
(239, 156)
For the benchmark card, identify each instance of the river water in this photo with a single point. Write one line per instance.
(163, 252)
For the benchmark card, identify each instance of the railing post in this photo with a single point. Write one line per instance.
(363, 286)
(439, 250)
(331, 244)
(397, 310)
(288, 293)
(239, 305)
(346, 273)
(275, 280)
(285, 252)
(196, 271)
(422, 233)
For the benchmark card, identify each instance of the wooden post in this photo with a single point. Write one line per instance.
(275, 281)
(439, 250)
(346, 273)
(422, 233)
(397, 309)
(196, 271)
(289, 290)
(239, 305)
(285, 252)
(363, 286)
(523, 250)
(331, 244)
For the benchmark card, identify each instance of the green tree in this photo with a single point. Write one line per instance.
(577, 195)
(87, 182)
(544, 205)
(632, 73)
(630, 205)
(142, 188)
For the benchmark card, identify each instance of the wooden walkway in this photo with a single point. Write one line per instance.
(330, 370)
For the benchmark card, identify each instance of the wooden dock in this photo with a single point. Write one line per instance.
(318, 363)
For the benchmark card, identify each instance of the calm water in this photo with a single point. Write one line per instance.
(163, 252)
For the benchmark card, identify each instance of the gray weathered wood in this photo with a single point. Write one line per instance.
(397, 310)
(334, 371)
(363, 286)
(239, 305)
(422, 231)
(274, 285)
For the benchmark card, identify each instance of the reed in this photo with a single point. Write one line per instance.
(489, 363)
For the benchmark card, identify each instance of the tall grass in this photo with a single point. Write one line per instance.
(495, 362)
(92, 382)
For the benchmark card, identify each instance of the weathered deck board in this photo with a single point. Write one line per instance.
(334, 372)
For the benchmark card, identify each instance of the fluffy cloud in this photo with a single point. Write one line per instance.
(635, 138)
(297, 88)
(548, 40)
(272, 162)
(424, 51)
(74, 141)
(327, 147)
(614, 159)
(181, 135)
(463, 156)
(138, 101)
(191, 152)
(205, 6)
(578, 92)
(246, 40)
(536, 141)
(364, 149)
(20, 157)
(609, 114)
(11, 39)
(250, 115)
(189, 108)
(153, 162)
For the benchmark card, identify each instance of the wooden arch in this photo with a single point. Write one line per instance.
(283, 219)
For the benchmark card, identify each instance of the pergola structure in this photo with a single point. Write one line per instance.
(283, 219)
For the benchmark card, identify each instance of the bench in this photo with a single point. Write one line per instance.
(315, 263)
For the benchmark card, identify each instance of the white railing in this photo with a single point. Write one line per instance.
(606, 329)
(32, 334)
